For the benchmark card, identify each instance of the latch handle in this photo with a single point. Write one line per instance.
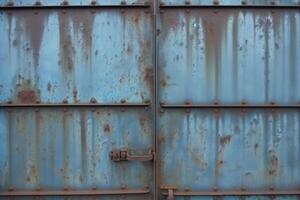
(124, 155)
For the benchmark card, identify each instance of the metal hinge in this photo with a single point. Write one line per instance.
(124, 155)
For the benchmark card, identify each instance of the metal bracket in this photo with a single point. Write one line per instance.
(124, 155)
(170, 190)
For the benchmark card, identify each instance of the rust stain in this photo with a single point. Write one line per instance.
(27, 96)
(49, 87)
(225, 140)
(66, 49)
(34, 24)
(273, 163)
(107, 128)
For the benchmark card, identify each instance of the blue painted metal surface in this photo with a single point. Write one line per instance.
(229, 56)
(75, 56)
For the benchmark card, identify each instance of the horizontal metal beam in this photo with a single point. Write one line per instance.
(229, 106)
(8, 105)
(74, 192)
(75, 6)
(233, 193)
(230, 6)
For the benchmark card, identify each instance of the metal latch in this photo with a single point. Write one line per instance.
(124, 155)
(168, 191)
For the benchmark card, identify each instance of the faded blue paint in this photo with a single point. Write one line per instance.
(68, 56)
(75, 55)
(230, 55)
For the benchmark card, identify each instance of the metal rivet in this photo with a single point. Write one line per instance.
(123, 2)
(10, 3)
(65, 3)
(216, 2)
(273, 3)
(215, 189)
(94, 2)
(244, 2)
(187, 2)
(38, 3)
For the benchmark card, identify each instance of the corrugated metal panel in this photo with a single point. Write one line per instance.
(230, 56)
(255, 150)
(220, 70)
(85, 78)
(75, 56)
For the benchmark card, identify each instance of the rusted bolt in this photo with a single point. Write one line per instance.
(93, 100)
(94, 2)
(215, 189)
(94, 188)
(216, 102)
(123, 101)
(244, 2)
(272, 103)
(66, 188)
(271, 188)
(10, 3)
(123, 2)
(216, 2)
(243, 189)
(11, 189)
(187, 2)
(65, 101)
(273, 3)
(9, 102)
(38, 3)
(161, 3)
(37, 101)
(38, 188)
(65, 3)
(243, 102)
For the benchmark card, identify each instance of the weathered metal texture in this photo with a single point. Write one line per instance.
(75, 84)
(205, 151)
(54, 149)
(229, 88)
(229, 56)
(51, 56)
(231, 2)
(71, 2)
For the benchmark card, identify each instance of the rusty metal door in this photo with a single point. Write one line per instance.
(229, 91)
(76, 92)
